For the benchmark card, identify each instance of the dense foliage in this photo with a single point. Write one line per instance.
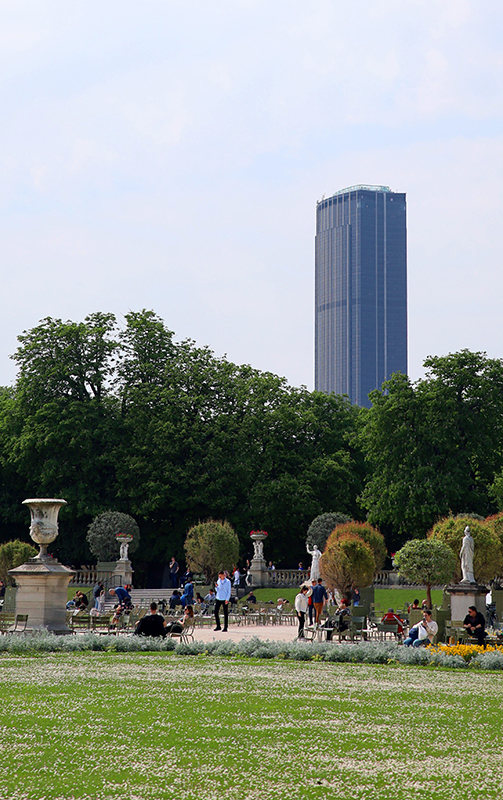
(12, 554)
(434, 447)
(488, 556)
(322, 526)
(102, 532)
(131, 420)
(210, 547)
(426, 561)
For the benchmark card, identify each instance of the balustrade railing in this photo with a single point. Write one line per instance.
(288, 577)
(88, 577)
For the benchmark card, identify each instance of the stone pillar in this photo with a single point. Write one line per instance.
(42, 582)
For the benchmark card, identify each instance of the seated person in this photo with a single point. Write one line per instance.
(393, 618)
(423, 632)
(175, 599)
(414, 605)
(343, 616)
(152, 624)
(210, 598)
(187, 598)
(475, 624)
(250, 598)
(177, 625)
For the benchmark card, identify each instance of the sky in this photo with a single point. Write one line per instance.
(168, 154)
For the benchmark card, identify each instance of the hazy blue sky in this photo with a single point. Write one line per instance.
(169, 155)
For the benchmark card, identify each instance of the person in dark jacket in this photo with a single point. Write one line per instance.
(152, 624)
(475, 624)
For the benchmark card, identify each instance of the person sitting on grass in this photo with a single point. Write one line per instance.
(152, 624)
(393, 618)
(178, 625)
(475, 624)
(423, 632)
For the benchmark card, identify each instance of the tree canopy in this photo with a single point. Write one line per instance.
(434, 447)
(426, 561)
(347, 562)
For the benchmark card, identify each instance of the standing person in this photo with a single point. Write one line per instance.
(97, 589)
(320, 597)
(237, 577)
(223, 593)
(122, 595)
(475, 624)
(301, 606)
(174, 568)
(187, 597)
(310, 602)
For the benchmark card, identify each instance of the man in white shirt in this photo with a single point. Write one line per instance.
(422, 633)
(223, 589)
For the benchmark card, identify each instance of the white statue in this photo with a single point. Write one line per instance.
(124, 547)
(315, 564)
(466, 556)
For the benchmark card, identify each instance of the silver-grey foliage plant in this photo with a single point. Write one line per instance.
(322, 526)
(102, 531)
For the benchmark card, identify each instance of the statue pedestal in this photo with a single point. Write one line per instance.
(42, 591)
(464, 595)
(123, 572)
(260, 575)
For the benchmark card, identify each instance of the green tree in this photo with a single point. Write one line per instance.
(13, 554)
(210, 547)
(434, 447)
(104, 528)
(322, 526)
(426, 561)
(488, 555)
(347, 561)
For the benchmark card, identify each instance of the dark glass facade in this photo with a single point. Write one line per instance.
(360, 291)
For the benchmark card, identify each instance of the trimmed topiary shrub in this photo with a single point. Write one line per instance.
(322, 526)
(12, 555)
(372, 536)
(211, 546)
(102, 531)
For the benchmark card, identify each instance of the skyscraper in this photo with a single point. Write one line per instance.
(361, 290)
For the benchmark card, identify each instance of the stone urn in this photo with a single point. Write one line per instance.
(124, 540)
(44, 522)
(42, 582)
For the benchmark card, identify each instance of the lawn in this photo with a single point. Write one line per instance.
(384, 598)
(137, 726)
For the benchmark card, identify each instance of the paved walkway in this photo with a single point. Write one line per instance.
(236, 633)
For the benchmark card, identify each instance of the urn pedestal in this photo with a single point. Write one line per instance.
(42, 582)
